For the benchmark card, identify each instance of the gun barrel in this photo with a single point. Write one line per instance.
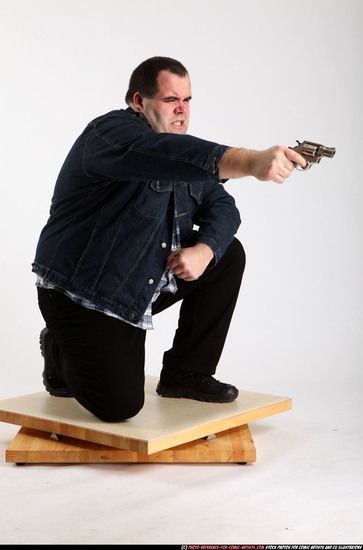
(316, 149)
(327, 151)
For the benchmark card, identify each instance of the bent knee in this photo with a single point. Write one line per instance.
(238, 253)
(117, 414)
(114, 409)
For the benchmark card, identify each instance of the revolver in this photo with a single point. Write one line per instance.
(313, 152)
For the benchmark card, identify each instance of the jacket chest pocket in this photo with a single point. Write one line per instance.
(153, 199)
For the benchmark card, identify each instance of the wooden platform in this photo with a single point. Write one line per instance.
(162, 425)
(34, 446)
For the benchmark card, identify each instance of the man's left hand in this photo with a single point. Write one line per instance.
(190, 263)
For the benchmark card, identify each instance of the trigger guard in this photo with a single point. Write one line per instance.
(300, 169)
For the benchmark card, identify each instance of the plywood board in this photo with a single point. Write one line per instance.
(35, 446)
(162, 423)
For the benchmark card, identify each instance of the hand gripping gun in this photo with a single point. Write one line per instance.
(313, 152)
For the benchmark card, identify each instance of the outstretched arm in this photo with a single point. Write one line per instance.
(274, 164)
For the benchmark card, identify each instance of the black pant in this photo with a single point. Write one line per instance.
(102, 359)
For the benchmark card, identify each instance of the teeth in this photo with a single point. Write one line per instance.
(177, 123)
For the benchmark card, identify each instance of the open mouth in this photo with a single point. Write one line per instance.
(178, 123)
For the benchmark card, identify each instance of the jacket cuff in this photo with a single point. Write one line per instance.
(215, 159)
(213, 244)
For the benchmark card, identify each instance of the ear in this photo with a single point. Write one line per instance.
(138, 102)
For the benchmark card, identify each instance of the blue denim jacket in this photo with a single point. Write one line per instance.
(111, 219)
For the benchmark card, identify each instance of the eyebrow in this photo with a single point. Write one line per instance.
(176, 97)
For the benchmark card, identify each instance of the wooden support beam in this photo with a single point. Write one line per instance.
(35, 446)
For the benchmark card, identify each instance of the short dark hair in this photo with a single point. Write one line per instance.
(144, 79)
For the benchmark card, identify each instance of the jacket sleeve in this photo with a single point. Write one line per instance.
(124, 148)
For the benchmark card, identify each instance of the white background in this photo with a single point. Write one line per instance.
(262, 72)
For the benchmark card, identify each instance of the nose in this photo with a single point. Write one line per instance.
(179, 107)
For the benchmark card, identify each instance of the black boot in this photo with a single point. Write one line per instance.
(201, 387)
(53, 384)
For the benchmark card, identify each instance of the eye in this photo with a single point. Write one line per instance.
(172, 99)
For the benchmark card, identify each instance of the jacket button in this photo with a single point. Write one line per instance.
(163, 245)
(131, 316)
(151, 281)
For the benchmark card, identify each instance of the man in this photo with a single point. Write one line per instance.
(120, 245)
